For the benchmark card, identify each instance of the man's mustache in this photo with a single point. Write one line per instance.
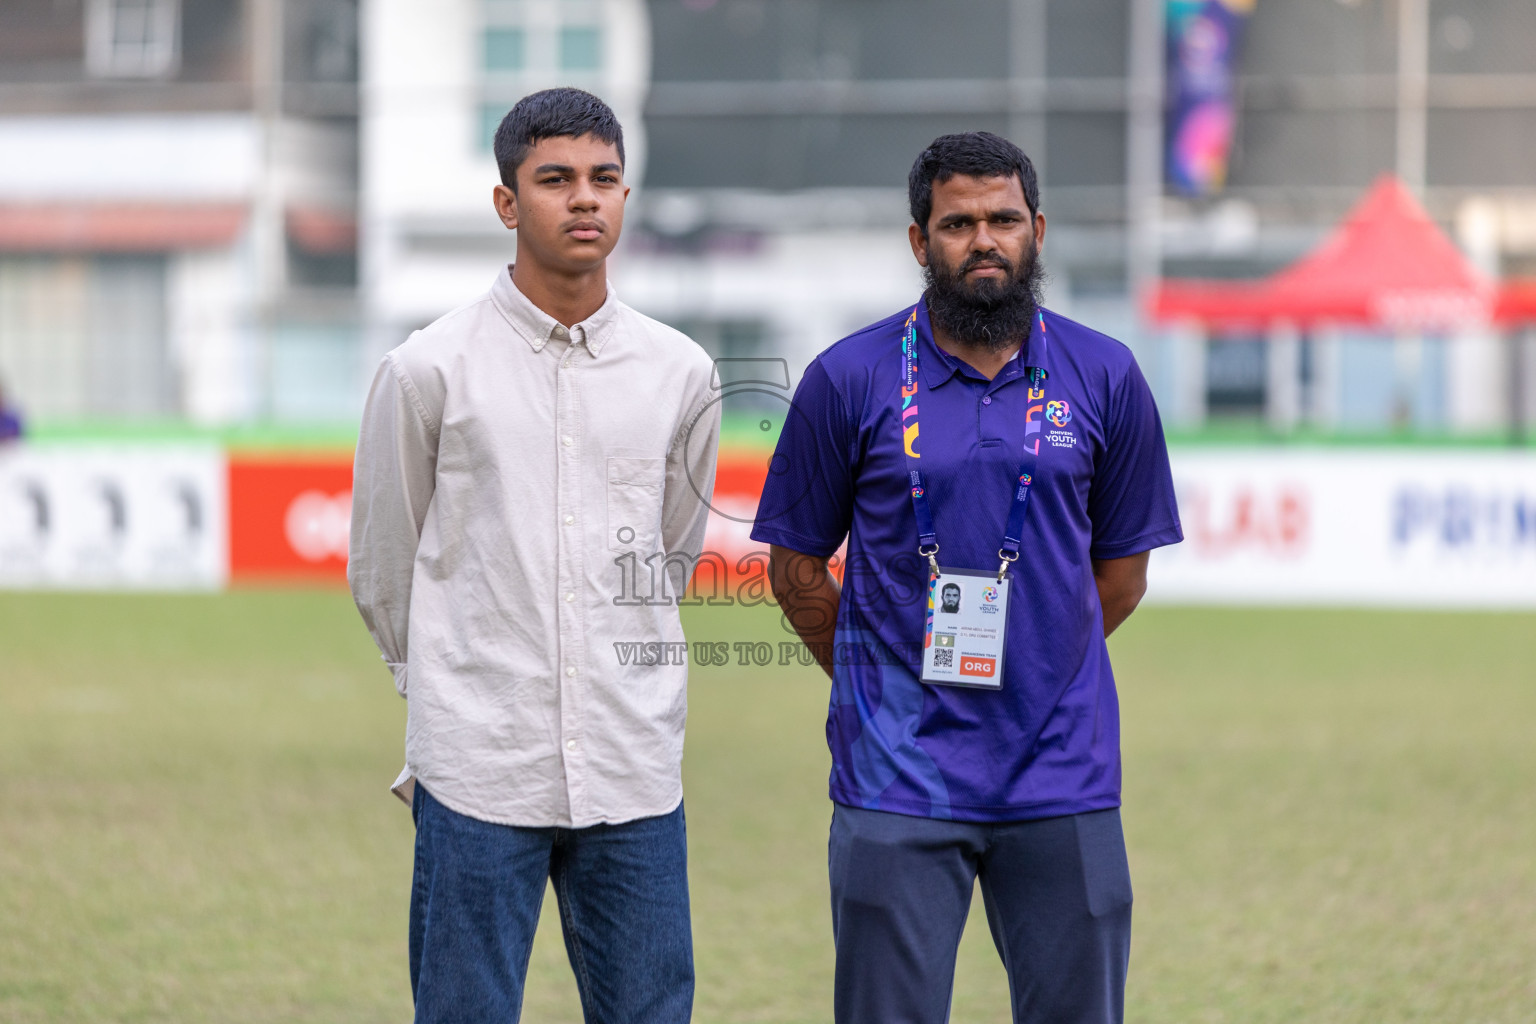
(991, 256)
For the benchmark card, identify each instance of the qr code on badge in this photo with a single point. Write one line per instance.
(943, 657)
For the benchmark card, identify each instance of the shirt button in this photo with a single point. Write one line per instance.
(566, 441)
(570, 744)
(569, 597)
(987, 400)
(571, 671)
(570, 520)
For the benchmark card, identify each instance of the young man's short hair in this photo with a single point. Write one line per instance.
(975, 154)
(548, 114)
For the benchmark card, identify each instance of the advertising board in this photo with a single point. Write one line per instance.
(289, 518)
(113, 517)
(1387, 527)
(1433, 528)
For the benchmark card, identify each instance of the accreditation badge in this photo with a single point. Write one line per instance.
(966, 627)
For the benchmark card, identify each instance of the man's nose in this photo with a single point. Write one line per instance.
(583, 196)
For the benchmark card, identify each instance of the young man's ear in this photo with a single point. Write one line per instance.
(505, 201)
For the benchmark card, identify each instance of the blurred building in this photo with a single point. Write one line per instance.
(777, 136)
(178, 188)
(438, 78)
(179, 181)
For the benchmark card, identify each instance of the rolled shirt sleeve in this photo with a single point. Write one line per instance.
(393, 479)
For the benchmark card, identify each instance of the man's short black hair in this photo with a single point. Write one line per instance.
(549, 114)
(975, 154)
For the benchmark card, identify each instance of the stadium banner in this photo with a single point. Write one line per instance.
(289, 518)
(1421, 527)
(109, 517)
(1431, 528)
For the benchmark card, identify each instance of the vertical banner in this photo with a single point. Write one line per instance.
(1203, 41)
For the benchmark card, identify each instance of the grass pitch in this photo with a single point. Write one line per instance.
(1331, 817)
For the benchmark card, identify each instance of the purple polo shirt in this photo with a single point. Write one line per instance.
(1047, 743)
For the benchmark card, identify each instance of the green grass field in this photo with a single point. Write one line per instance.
(1331, 817)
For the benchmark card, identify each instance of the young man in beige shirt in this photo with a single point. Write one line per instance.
(514, 457)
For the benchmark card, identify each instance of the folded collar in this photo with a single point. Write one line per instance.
(537, 327)
(938, 366)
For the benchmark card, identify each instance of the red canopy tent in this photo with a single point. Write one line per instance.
(1387, 267)
(1517, 302)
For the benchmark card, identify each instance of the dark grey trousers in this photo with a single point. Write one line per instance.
(1058, 899)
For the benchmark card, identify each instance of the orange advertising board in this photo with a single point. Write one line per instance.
(289, 518)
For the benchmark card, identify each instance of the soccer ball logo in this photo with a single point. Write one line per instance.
(1059, 413)
(989, 594)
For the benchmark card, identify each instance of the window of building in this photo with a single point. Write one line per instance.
(526, 45)
(503, 49)
(322, 40)
(1236, 376)
(581, 48)
(87, 337)
(490, 119)
(133, 38)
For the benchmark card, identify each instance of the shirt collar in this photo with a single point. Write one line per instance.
(937, 366)
(538, 328)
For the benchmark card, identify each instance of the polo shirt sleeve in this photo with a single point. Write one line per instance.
(1131, 503)
(807, 502)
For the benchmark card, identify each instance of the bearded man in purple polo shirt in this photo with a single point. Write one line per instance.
(974, 442)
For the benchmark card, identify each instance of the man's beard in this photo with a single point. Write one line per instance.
(988, 313)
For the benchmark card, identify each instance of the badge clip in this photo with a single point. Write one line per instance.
(1007, 559)
(933, 562)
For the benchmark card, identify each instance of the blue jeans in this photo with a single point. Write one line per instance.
(623, 897)
(1058, 898)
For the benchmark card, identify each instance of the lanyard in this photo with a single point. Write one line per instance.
(927, 535)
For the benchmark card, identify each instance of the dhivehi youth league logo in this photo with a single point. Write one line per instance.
(1059, 413)
(989, 594)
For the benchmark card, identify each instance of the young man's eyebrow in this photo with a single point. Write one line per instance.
(570, 171)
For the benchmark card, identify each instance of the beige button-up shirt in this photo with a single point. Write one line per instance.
(513, 477)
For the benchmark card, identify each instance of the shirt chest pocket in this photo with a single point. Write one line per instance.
(634, 504)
